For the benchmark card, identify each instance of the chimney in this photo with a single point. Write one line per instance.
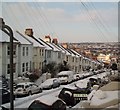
(55, 41)
(65, 45)
(47, 39)
(29, 32)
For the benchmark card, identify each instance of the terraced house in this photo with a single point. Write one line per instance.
(31, 53)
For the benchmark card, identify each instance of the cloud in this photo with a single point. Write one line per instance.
(44, 20)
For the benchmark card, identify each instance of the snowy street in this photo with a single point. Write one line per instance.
(25, 101)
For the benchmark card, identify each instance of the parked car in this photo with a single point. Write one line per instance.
(93, 81)
(47, 103)
(5, 96)
(66, 77)
(27, 88)
(73, 96)
(50, 83)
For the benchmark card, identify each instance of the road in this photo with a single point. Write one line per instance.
(25, 101)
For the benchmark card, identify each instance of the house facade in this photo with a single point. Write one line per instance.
(38, 51)
(25, 54)
(5, 56)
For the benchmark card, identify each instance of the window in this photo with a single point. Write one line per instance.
(40, 65)
(26, 66)
(14, 50)
(23, 51)
(76, 60)
(73, 59)
(59, 54)
(8, 68)
(26, 51)
(42, 52)
(49, 54)
(80, 59)
(67, 58)
(23, 67)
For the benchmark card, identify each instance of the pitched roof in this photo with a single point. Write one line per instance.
(21, 38)
(5, 38)
(54, 47)
(66, 51)
(47, 47)
(76, 52)
(31, 39)
(57, 46)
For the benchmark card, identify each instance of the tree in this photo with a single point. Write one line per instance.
(63, 66)
(50, 68)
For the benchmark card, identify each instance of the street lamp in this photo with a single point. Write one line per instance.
(5, 28)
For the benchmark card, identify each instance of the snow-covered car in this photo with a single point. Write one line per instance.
(50, 83)
(66, 77)
(27, 88)
(47, 103)
(72, 96)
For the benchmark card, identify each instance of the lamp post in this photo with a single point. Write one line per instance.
(5, 28)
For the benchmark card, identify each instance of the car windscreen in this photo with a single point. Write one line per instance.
(36, 105)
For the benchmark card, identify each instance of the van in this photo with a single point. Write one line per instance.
(66, 77)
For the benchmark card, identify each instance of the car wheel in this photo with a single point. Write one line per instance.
(30, 93)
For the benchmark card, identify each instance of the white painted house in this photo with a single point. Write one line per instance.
(5, 56)
(67, 57)
(48, 51)
(25, 54)
(38, 51)
(56, 54)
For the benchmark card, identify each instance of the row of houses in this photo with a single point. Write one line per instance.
(31, 53)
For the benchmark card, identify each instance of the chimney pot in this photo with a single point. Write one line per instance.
(29, 32)
(55, 41)
(47, 39)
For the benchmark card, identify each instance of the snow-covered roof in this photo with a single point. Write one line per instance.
(69, 87)
(59, 48)
(66, 73)
(4, 37)
(72, 54)
(21, 38)
(35, 43)
(77, 54)
(48, 82)
(67, 53)
(24, 83)
(49, 100)
(47, 47)
(54, 47)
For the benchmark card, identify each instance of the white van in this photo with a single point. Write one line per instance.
(66, 76)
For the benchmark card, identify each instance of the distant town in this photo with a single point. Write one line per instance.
(104, 52)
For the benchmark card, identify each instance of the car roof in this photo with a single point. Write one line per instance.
(66, 73)
(25, 83)
(48, 100)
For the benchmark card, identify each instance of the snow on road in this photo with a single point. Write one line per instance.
(25, 102)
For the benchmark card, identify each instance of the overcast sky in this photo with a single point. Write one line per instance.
(67, 21)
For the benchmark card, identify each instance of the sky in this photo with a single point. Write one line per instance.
(74, 22)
